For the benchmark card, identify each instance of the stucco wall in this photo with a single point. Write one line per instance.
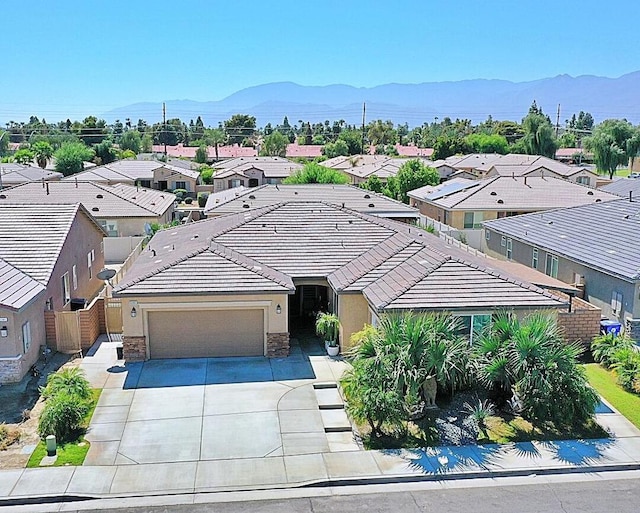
(134, 226)
(353, 311)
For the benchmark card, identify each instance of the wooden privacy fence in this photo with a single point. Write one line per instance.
(113, 315)
(71, 332)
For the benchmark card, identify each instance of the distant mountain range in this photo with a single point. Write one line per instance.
(412, 103)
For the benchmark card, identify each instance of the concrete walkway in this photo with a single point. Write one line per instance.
(341, 464)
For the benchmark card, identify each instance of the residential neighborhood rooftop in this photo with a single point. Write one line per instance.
(350, 196)
(129, 170)
(101, 200)
(623, 187)
(601, 235)
(16, 287)
(271, 167)
(13, 173)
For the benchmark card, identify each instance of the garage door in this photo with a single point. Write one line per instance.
(206, 333)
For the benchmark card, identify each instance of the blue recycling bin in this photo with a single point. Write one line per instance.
(610, 327)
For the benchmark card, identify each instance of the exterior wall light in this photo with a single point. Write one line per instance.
(278, 309)
(4, 331)
(134, 312)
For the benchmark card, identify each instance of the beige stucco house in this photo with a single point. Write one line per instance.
(49, 256)
(241, 283)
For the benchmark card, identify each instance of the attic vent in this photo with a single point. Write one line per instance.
(99, 196)
(95, 209)
(246, 205)
(295, 192)
(252, 197)
(598, 200)
(590, 193)
(371, 205)
(493, 193)
(500, 201)
(195, 237)
(366, 196)
(3, 196)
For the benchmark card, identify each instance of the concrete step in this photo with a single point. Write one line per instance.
(342, 442)
(329, 399)
(335, 421)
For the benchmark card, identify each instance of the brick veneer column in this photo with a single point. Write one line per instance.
(277, 345)
(134, 349)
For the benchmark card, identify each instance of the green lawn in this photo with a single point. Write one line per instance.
(71, 453)
(604, 382)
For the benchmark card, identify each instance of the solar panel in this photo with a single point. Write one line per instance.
(450, 189)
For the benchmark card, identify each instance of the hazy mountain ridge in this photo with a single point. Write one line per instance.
(413, 103)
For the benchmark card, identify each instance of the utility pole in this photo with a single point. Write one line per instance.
(558, 121)
(364, 110)
(164, 128)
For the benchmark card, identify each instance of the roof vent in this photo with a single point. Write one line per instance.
(3, 196)
(195, 237)
(252, 197)
(493, 193)
(95, 209)
(590, 193)
(295, 192)
(598, 200)
(367, 196)
(500, 201)
(549, 222)
(371, 205)
(99, 196)
(246, 205)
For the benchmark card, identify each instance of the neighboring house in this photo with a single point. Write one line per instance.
(360, 167)
(242, 199)
(343, 163)
(150, 174)
(595, 246)
(306, 151)
(16, 174)
(49, 255)
(189, 152)
(122, 210)
(465, 204)
(624, 187)
(573, 155)
(238, 284)
(252, 172)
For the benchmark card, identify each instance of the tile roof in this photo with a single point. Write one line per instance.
(347, 162)
(16, 287)
(224, 152)
(304, 150)
(102, 201)
(623, 186)
(12, 174)
(603, 236)
(315, 240)
(32, 236)
(350, 196)
(505, 193)
(130, 170)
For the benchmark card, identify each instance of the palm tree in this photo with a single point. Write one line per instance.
(43, 151)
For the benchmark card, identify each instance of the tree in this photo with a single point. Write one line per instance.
(487, 143)
(23, 156)
(413, 174)
(447, 145)
(43, 151)
(70, 157)
(538, 134)
(315, 173)
(92, 130)
(567, 140)
(4, 142)
(335, 149)
(215, 137)
(353, 139)
(206, 173)
(373, 184)
(633, 146)
(274, 145)
(147, 143)
(239, 127)
(609, 145)
(201, 155)
(105, 153)
(381, 132)
(131, 140)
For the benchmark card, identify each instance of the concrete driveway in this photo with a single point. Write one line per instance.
(183, 410)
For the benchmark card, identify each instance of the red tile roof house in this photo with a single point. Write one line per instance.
(239, 284)
(306, 151)
(49, 255)
(189, 152)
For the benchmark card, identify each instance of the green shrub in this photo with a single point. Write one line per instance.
(202, 199)
(71, 381)
(604, 347)
(180, 193)
(62, 416)
(188, 201)
(206, 173)
(626, 363)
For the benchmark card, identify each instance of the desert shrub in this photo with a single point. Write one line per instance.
(202, 199)
(604, 347)
(626, 364)
(180, 193)
(8, 436)
(188, 201)
(71, 381)
(62, 416)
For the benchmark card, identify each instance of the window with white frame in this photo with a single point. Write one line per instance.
(534, 258)
(110, 226)
(616, 302)
(91, 256)
(509, 248)
(503, 241)
(66, 292)
(551, 266)
(181, 185)
(26, 337)
(584, 180)
(74, 277)
(473, 220)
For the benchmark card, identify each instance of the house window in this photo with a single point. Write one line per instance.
(584, 180)
(616, 302)
(26, 337)
(509, 248)
(74, 277)
(534, 258)
(181, 185)
(473, 220)
(471, 326)
(145, 183)
(503, 241)
(66, 293)
(551, 266)
(110, 226)
(235, 183)
(48, 304)
(487, 235)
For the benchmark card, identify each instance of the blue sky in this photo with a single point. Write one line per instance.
(70, 57)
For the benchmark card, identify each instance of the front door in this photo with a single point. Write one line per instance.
(162, 185)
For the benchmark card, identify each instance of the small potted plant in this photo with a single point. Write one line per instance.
(328, 327)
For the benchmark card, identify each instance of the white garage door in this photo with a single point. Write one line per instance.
(206, 333)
